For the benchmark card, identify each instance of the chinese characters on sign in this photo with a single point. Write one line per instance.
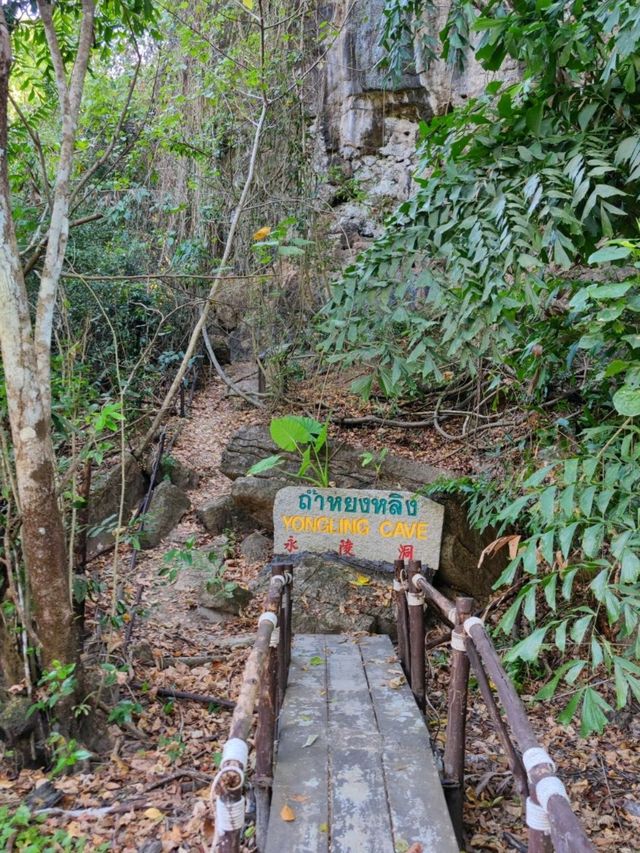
(362, 524)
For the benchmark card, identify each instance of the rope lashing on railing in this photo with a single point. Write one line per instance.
(550, 786)
(415, 599)
(470, 622)
(399, 586)
(274, 642)
(536, 817)
(230, 813)
(268, 616)
(534, 757)
(458, 642)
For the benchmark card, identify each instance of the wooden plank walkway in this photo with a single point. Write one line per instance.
(354, 761)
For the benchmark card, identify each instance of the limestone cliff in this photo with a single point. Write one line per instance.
(366, 124)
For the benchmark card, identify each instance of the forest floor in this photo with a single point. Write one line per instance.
(150, 791)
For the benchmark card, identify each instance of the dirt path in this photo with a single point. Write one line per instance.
(150, 793)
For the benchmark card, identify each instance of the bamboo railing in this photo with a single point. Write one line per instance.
(263, 685)
(551, 823)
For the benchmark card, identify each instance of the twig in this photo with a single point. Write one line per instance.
(228, 382)
(169, 693)
(179, 774)
(114, 808)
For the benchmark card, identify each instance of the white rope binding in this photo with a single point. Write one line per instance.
(470, 622)
(452, 616)
(281, 579)
(458, 642)
(229, 815)
(548, 787)
(398, 586)
(414, 600)
(235, 749)
(537, 817)
(274, 642)
(535, 756)
(268, 617)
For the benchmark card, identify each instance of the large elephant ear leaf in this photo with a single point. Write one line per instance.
(289, 432)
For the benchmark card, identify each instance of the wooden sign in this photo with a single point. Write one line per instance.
(378, 526)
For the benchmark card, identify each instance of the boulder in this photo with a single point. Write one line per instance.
(104, 502)
(221, 514)
(168, 505)
(178, 473)
(225, 600)
(216, 515)
(331, 597)
(254, 496)
(256, 548)
(461, 544)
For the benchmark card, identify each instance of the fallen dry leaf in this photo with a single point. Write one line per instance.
(287, 813)
(153, 813)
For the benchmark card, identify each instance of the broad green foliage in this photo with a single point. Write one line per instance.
(305, 437)
(22, 831)
(506, 264)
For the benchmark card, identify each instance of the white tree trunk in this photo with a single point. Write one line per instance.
(43, 537)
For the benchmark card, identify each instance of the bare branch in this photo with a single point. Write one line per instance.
(46, 16)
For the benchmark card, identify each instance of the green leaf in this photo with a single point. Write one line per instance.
(630, 567)
(560, 638)
(592, 539)
(529, 648)
(568, 712)
(609, 253)
(579, 628)
(627, 401)
(565, 538)
(593, 718)
(546, 503)
(289, 432)
(264, 465)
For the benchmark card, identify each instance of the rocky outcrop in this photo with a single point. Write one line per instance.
(178, 473)
(168, 505)
(256, 548)
(104, 502)
(254, 497)
(366, 121)
(461, 544)
(330, 597)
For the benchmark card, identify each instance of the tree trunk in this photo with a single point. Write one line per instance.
(43, 539)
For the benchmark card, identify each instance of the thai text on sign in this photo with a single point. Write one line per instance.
(364, 524)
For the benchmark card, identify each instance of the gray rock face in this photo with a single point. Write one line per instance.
(216, 515)
(256, 548)
(104, 503)
(328, 598)
(178, 473)
(223, 601)
(461, 545)
(254, 496)
(168, 505)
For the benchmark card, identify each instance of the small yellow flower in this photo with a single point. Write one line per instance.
(261, 233)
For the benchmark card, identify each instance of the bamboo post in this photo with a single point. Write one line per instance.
(415, 607)
(279, 571)
(228, 785)
(453, 782)
(265, 741)
(402, 616)
(567, 834)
